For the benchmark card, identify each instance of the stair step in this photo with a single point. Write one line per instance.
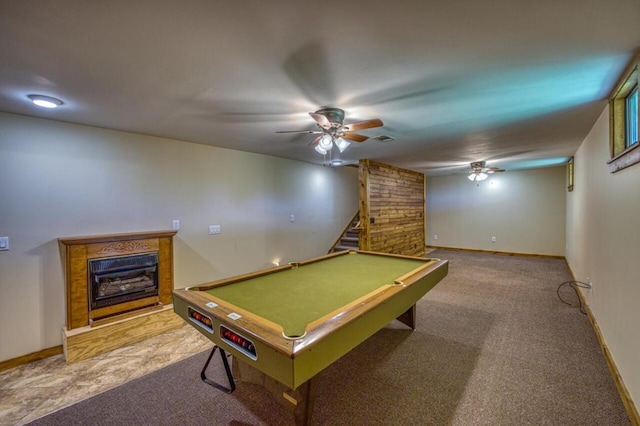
(350, 238)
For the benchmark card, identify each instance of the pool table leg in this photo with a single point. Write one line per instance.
(409, 317)
(299, 401)
(306, 397)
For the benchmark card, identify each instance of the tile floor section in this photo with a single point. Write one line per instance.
(41, 387)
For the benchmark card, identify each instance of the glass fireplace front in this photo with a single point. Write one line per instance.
(121, 279)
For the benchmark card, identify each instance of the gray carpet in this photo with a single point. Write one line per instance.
(493, 346)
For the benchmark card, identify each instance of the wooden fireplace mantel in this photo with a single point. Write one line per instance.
(82, 338)
(108, 238)
(78, 250)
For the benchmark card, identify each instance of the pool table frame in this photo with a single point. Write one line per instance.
(293, 362)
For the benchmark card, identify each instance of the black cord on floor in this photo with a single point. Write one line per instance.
(574, 285)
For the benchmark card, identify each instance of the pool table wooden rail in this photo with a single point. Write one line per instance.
(272, 334)
(250, 324)
(238, 278)
(320, 328)
(327, 338)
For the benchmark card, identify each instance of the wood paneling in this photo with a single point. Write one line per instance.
(165, 270)
(77, 290)
(85, 342)
(391, 209)
(125, 307)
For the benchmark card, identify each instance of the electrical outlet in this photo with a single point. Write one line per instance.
(493, 239)
(435, 236)
(292, 218)
(176, 224)
(4, 243)
(214, 229)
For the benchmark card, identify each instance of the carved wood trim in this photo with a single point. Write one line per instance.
(122, 248)
(106, 238)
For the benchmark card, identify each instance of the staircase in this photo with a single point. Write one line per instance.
(349, 238)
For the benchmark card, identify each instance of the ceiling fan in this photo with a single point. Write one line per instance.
(480, 172)
(332, 130)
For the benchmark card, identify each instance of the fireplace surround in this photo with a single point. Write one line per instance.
(118, 290)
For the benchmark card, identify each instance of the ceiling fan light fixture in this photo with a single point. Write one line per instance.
(342, 144)
(479, 172)
(320, 150)
(332, 130)
(326, 142)
(477, 176)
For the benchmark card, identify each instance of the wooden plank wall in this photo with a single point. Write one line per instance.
(391, 209)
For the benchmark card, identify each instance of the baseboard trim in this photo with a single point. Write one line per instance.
(502, 253)
(26, 359)
(628, 403)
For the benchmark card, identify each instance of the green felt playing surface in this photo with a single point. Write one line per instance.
(296, 297)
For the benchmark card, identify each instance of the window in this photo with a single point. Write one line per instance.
(623, 120)
(631, 117)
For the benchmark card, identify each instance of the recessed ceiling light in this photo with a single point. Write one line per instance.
(45, 101)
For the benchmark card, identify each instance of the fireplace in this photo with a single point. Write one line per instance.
(122, 279)
(118, 290)
(110, 276)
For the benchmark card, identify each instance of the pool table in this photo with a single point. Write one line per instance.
(286, 324)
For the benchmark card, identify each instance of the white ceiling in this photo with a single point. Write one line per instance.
(517, 83)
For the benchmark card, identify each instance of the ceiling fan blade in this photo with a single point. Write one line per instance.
(354, 137)
(361, 125)
(321, 120)
(315, 141)
(313, 132)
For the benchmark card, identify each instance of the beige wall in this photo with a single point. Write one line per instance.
(603, 245)
(524, 210)
(59, 179)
